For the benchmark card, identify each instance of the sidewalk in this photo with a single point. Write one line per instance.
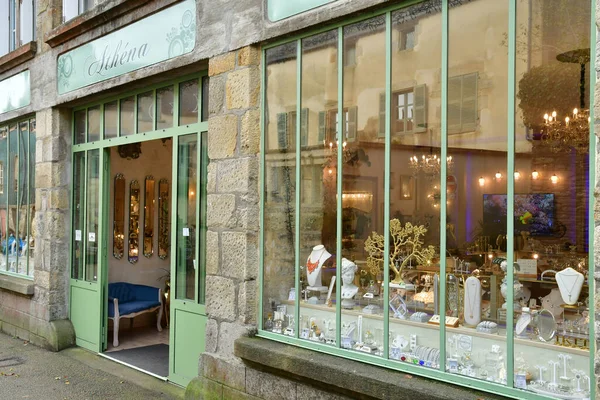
(29, 372)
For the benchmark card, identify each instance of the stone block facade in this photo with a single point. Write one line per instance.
(232, 199)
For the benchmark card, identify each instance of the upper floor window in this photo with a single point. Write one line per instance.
(17, 24)
(72, 8)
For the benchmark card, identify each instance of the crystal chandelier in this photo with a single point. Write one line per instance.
(573, 132)
(429, 164)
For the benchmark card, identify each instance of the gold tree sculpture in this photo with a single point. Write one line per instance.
(406, 245)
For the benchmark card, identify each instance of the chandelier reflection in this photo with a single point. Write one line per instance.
(571, 133)
(429, 164)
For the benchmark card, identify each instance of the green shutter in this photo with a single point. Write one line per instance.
(322, 126)
(352, 114)
(381, 132)
(282, 137)
(420, 109)
(304, 127)
(469, 103)
(454, 104)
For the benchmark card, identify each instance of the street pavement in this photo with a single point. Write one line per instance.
(29, 372)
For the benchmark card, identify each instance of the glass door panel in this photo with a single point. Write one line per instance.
(186, 217)
(93, 182)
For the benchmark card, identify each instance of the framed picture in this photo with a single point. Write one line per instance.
(407, 187)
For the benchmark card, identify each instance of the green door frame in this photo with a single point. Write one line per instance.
(97, 292)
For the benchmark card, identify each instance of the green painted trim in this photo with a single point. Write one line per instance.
(454, 379)
(510, 180)
(199, 172)
(340, 176)
(386, 191)
(29, 185)
(102, 243)
(84, 219)
(298, 212)
(591, 203)
(143, 137)
(173, 250)
(18, 192)
(328, 27)
(261, 211)
(7, 179)
(20, 276)
(444, 145)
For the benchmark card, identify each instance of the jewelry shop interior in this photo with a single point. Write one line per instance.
(427, 193)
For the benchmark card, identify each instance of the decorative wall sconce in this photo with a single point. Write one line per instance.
(554, 179)
(498, 176)
(535, 174)
(517, 175)
(481, 181)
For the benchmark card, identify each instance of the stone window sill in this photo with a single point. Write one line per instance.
(89, 20)
(15, 284)
(18, 56)
(343, 376)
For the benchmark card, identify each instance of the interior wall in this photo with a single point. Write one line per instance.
(154, 160)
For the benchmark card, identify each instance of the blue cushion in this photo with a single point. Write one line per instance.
(122, 291)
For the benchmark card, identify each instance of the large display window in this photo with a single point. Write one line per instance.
(17, 197)
(426, 193)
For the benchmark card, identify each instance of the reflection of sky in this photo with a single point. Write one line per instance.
(14, 92)
(152, 31)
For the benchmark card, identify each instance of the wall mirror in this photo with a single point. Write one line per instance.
(149, 216)
(163, 219)
(119, 216)
(134, 220)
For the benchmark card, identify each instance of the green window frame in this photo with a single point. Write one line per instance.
(468, 121)
(88, 136)
(17, 197)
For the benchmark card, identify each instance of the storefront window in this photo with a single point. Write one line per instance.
(456, 247)
(280, 189)
(17, 197)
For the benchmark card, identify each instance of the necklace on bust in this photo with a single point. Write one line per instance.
(569, 291)
(312, 265)
(469, 301)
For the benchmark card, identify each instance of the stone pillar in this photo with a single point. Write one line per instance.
(232, 218)
(52, 215)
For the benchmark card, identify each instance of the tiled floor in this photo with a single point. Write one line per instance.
(137, 337)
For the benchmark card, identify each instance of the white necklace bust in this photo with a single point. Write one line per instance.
(314, 264)
(349, 289)
(570, 283)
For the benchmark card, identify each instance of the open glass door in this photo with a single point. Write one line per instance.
(87, 256)
(188, 315)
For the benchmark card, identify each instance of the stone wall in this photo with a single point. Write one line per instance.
(232, 200)
(39, 313)
(596, 226)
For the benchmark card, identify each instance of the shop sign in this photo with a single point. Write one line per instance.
(280, 9)
(15, 92)
(159, 37)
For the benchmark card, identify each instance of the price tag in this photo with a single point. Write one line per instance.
(528, 268)
(186, 231)
(78, 235)
(368, 295)
(91, 237)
